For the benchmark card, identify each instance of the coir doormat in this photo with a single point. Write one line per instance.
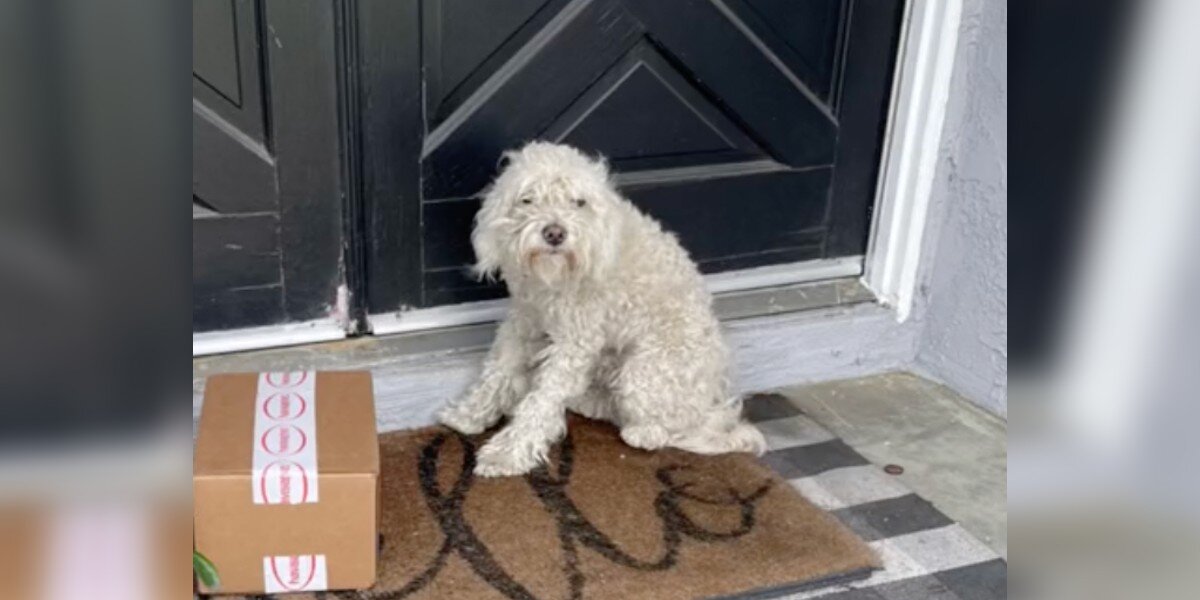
(602, 520)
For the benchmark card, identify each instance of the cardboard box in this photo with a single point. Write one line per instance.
(286, 481)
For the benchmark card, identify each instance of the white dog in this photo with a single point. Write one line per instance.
(609, 318)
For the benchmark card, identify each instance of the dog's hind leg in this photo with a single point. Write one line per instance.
(723, 432)
(665, 403)
(649, 396)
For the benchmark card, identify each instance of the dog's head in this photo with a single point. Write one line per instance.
(550, 215)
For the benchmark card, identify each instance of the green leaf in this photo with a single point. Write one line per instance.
(205, 571)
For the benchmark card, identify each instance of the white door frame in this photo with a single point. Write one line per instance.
(920, 91)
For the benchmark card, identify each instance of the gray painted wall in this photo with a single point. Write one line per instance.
(963, 340)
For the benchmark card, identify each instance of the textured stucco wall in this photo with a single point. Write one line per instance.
(963, 340)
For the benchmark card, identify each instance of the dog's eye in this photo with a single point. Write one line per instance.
(580, 202)
(526, 200)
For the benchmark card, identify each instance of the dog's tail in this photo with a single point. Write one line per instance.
(719, 436)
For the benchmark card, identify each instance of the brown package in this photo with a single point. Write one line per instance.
(248, 541)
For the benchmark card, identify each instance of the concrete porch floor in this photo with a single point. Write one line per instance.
(953, 454)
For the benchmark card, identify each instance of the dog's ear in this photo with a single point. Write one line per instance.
(485, 237)
(601, 163)
(506, 158)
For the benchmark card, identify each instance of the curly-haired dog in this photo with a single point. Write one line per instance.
(609, 318)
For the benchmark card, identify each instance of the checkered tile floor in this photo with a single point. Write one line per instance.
(926, 555)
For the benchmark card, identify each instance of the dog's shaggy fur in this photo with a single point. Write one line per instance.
(613, 321)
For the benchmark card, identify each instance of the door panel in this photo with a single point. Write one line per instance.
(803, 35)
(751, 128)
(717, 50)
(266, 200)
(523, 96)
(215, 53)
(765, 219)
(225, 63)
(641, 114)
(465, 41)
(231, 173)
(237, 253)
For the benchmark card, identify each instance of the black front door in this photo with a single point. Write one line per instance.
(339, 144)
(752, 128)
(266, 190)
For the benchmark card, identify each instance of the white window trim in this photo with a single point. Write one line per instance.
(920, 92)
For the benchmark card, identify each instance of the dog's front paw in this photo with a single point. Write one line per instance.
(498, 458)
(461, 420)
(646, 437)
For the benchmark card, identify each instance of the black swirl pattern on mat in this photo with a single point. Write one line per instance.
(574, 529)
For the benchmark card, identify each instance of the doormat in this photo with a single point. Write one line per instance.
(601, 520)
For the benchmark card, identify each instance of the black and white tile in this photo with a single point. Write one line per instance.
(925, 554)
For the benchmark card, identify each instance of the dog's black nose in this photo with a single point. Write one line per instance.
(554, 234)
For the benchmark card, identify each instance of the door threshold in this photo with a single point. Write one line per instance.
(735, 283)
(733, 308)
(737, 295)
(268, 336)
(760, 302)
